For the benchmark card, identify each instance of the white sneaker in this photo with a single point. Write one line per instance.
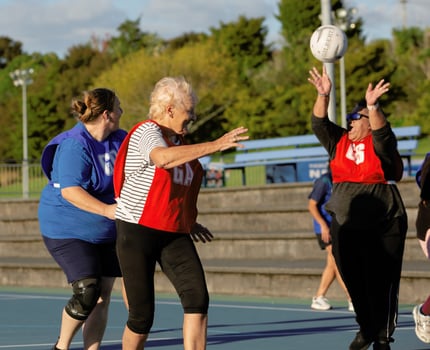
(350, 306)
(320, 303)
(422, 324)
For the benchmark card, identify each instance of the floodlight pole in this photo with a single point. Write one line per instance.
(326, 18)
(22, 77)
(344, 20)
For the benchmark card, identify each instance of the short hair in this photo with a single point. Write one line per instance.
(169, 90)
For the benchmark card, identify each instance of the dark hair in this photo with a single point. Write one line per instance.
(359, 106)
(94, 103)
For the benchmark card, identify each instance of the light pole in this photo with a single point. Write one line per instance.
(326, 19)
(344, 20)
(22, 77)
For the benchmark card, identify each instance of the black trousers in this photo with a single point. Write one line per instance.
(370, 262)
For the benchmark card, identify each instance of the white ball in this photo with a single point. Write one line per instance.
(328, 43)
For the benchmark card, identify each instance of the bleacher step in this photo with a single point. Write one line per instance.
(243, 277)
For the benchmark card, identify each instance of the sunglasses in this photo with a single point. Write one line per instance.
(355, 116)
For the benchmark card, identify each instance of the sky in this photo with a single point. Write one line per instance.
(56, 25)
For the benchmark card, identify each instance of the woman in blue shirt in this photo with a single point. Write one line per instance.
(76, 213)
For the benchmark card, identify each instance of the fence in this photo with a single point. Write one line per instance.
(11, 180)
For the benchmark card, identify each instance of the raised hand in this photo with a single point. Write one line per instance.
(373, 93)
(321, 82)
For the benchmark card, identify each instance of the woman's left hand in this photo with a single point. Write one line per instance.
(373, 93)
(200, 233)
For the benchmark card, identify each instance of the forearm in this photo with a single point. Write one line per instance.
(321, 106)
(170, 157)
(81, 199)
(376, 117)
(313, 209)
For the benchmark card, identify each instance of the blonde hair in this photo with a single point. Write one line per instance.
(169, 91)
(94, 103)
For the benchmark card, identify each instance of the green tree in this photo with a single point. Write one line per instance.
(8, 50)
(220, 67)
(412, 55)
(132, 39)
(186, 39)
(244, 41)
(11, 112)
(213, 76)
(55, 82)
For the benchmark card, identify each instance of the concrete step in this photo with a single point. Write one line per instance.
(18, 209)
(266, 219)
(271, 209)
(243, 277)
(286, 195)
(23, 245)
(288, 246)
(225, 245)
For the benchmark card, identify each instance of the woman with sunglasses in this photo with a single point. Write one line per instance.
(369, 221)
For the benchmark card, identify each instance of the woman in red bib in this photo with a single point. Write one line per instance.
(369, 221)
(157, 179)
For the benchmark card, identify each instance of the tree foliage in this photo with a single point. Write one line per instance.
(132, 39)
(244, 41)
(212, 75)
(239, 78)
(9, 49)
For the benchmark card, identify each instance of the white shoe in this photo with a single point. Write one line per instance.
(320, 303)
(422, 324)
(350, 306)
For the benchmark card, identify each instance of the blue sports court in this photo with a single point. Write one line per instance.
(29, 319)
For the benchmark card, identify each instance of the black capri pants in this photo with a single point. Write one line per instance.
(139, 248)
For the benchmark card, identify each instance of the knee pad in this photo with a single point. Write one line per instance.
(86, 292)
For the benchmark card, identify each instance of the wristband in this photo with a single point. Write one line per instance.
(325, 95)
(373, 107)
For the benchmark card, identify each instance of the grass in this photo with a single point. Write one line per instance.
(423, 148)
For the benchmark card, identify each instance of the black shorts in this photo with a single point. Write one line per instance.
(422, 222)
(323, 245)
(80, 259)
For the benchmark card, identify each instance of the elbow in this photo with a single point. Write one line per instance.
(67, 193)
(160, 158)
(162, 164)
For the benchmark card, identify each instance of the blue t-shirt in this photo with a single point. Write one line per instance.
(77, 159)
(321, 193)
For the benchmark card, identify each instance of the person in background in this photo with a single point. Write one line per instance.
(319, 196)
(369, 220)
(157, 180)
(76, 213)
(421, 312)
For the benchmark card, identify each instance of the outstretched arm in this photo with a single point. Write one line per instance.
(170, 157)
(322, 84)
(376, 117)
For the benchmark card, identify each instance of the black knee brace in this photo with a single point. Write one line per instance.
(86, 292)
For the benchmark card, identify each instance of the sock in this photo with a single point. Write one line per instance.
(425, 308)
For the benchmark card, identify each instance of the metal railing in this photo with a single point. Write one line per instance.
(11, 184)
